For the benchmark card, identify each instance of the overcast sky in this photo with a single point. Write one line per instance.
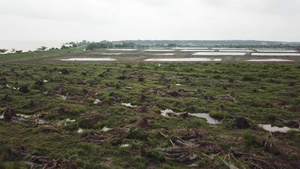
(95, 20)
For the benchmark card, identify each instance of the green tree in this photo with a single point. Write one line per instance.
(3, 50)
(41, 49)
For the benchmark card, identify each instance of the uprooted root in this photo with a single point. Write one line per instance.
(190, 147)
(44, 162)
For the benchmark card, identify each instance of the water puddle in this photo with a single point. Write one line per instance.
(178, 84)
(268, 127)
(195, 50)
(122, 49)
(112, 54)
(166, 112)
(105, 129)
(45, 81)
(64, 97)
(276, 50)
(182, 60)
(190, 48)
(125, 145)
(235, 50)
(64, 122)
(275, 54)
(128, 105)
(24, 116)
(90, 59)
(69, 120)
(159, 50)
(2, 116)
(268, 60)
(96, 101)
(209, 119)
(80, 130)
(217, 60)
(230, 48)
(165, 54)
(219, 54)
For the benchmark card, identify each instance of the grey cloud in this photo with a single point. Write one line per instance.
(150, 19)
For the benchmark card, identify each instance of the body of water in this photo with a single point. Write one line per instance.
(275, 54)
(26, 46)
(183, 60)
(219, 54)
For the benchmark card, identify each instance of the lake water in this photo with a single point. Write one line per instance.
(275, 54)
(183, 60)
(25, 46)
(219, 54)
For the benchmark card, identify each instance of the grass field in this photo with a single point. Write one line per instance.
(75, 116)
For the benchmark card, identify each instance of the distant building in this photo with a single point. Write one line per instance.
(117, 42)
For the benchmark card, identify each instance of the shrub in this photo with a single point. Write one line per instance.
(218, 115)
(155, 154)
(293, 156)
(249, 139)
(137, 134)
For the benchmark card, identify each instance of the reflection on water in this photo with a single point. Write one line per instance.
(159, 50)
(105, 129)
(122, 49)
(220, 53)
(182, 60)
(80, 130)
(209, 119)
(268, 127)
(275, 54)
(89, 59)
(96, 101)
(166, 112)
(128, 105)
(268, 60)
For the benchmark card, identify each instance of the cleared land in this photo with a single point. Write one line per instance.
(113, 114)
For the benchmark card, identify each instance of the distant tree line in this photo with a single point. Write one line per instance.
(109, 44)
(215, 43)
(93, 46)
